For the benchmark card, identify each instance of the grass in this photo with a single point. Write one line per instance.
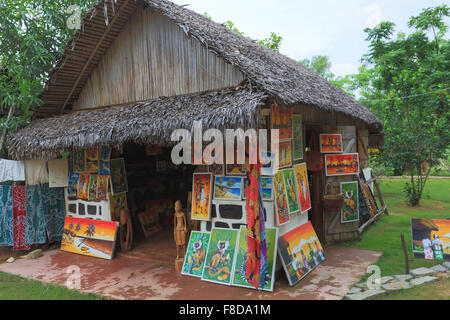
(438, 290)
(13, 287)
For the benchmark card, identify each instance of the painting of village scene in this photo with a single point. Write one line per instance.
(331, 143)
(301, 178)
(92, 160)
(285, 154)
(350, 207)
(341, 164)
(194, 259)
(119, 181)
(228, 188)
(297, 142)
(79, 160)
(431, 239)
(300, 252)
(291, 190)
(281, 202)
(95, 238)
(282, 120)
(240, 267)
(220, 256)
(201, 196)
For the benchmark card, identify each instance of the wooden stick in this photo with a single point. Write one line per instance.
(406, 254)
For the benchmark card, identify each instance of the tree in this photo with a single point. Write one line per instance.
(321, 65)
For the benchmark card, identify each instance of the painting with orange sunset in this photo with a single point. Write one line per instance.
(431, 238)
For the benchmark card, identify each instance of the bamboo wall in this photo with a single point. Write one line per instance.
(153, 57)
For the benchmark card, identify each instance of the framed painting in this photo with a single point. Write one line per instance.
(285, 154)
(431, 239)
(217, 169)
(350, 208)
(300, 252)
(282, 120)
(331, 143)
(95, 238)
(79, 160)
(236, 169)
(269, 163)
(117, 202)
(220, 256)
(72, 189)
(266, 188)
(194, 260)
(119, 182)
(92, 159)
(341, 164)
(102, 187)
(297, 139)
(281, 202)
(239, 275)
(291, 190)
(228, 188)
(301, 178)
(92, 190)
(201, 196)
(83, 186)
(103, 161)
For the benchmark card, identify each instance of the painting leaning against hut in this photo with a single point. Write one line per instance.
(194, 259)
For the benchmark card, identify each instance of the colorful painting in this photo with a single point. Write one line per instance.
(301, 177)
(269, 162)
(79, 160)
(350, 208)
(95, 238)
(431, 239)
(83, 186)
(282, 120)
(297, 140)
(267, 188)
(72, 189)
(149, 221)
(236, 169)
(119, 181)
(240, 266)
(103, 160)
(92, 160)
(194, 260)
(220, 256)
(300, 252)
(281, 202)
(117, 202)
(228, 188)
(291, 190)
(102, 187)
(217, 169)
(92, 190)
(331, 143)
(285, 154)
(341, 164)
(201, 196)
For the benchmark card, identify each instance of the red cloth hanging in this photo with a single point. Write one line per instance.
(19, 216)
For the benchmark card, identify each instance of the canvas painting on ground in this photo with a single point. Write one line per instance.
(117, 202)
(194, 259)
(103, 161)
(89, 237)
(350, 207)
(201, 196)
(83, 186)
(281, 204)
(220, 256)
(291, 190)
(341, 164)
(331, 143)
(240, 267)
(301, 178)
(431, 239)
(92, 159)
(119, 181)
(300, 252)
(297, 141)
(282, 120)
(228, 188)
(102, 187)
(285, 154)
(92, 191)
(79, 160)
(72, 189)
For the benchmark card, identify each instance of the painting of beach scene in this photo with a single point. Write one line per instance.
(267, 188)
(228, 188)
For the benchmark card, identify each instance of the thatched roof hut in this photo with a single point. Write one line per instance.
(205, 71)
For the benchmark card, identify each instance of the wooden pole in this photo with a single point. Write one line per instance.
(406, 255)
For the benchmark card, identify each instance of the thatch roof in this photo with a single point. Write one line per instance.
(145, 122)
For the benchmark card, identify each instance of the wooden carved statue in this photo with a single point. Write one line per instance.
(179, 230)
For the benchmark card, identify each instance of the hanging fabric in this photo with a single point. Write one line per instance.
(35, 222)
(19, 218)
(54, 211)
(11, 170)
(6, 216)
(58, 173)
(262, 228)
(35, 172)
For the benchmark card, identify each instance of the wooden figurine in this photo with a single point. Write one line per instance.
(179, 233)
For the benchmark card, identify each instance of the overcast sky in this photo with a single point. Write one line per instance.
(314, 27)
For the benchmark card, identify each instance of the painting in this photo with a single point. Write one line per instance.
(304, 195)
(282, 120)
(79, 160)
(117, 202)
(331, 143)
(119, 182)
(220, 256)
(83, 186)
(297, 139)
(240, 267)
(291, 190)
(300, 252)
(92, 160)
(72, 189)
(194, 260)
(92, 190)
(341, 164)
(103, 160)
(431, 239)
(95, 238)
(149, 221)
(217, 169)
(201, 196)
(236, 169)
(281, 202)
(285, 154)
(267, 188)
(102, 187)
(228, 188)
(350, 207)
(269, 162)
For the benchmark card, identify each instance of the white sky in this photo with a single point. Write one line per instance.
(319, 27)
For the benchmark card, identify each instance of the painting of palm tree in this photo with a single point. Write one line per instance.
(90, 230)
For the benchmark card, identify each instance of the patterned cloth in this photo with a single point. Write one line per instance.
(19, 218)
(6, 216)
(35, 232)
(54, 211)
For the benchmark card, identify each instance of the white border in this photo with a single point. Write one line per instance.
(234, 177)
(186, 257)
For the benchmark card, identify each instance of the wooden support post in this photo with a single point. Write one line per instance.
(405, 252)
